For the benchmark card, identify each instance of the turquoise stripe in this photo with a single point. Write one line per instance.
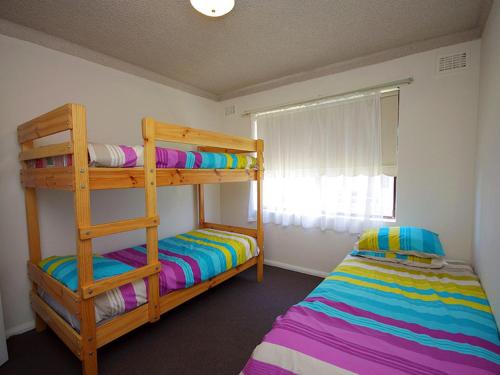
(425, 292)
(190, 159)
(234, 161)
(234, 253)
(453, 310)
(383, 238)
(206, 160)
(214, 266)
(423, 339)
(205, 261)
(408, 312)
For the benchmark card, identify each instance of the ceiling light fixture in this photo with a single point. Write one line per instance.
(213, 8)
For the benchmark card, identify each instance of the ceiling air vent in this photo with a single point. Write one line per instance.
(452, 62)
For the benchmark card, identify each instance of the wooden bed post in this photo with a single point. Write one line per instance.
(201, 206)
(32, 223)
(260, 223)
(83, 246)
(148, 133)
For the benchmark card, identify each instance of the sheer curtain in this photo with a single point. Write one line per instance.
(323, 165)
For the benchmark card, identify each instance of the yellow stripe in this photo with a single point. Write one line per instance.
(432, 297)
(369, 240)
(237, 246)
(394, 238)
(250, 241)
(378, 264)
(226, 252)
(229, 159)
(466, 290)
(56, 264)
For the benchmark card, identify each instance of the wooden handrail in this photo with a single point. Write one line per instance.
(46, 151)
(52, 122)
(183, 134)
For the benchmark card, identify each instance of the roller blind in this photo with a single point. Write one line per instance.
(389, 113)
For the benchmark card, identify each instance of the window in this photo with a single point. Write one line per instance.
(331, 165)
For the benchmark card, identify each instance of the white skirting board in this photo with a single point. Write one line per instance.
(290, 267)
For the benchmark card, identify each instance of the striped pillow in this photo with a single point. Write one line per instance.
(407, 259)
(407, 240)
(64, 270)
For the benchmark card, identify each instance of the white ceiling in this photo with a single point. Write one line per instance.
(260, 44)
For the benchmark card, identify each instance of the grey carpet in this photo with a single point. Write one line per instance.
(214, 333)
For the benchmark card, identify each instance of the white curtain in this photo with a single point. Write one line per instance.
(323, 165)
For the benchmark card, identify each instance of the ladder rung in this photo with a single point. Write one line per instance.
(113, 282)
(106, 229)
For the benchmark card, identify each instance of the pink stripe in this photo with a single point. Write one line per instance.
(197, 159)
(193, 264)
(371, 341)
(173, 279)
(128, 293)
(130, 156)
(254, 367)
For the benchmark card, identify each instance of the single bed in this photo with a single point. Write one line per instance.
(186, 260)
(371, 317)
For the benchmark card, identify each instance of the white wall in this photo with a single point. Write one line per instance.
(437, 146)
(486, 244)
(35, 79)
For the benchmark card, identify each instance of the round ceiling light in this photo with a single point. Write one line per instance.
(213, 8)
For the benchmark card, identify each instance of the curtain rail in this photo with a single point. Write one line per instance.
(382, 86)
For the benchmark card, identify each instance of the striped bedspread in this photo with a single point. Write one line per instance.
(187, 259)
(120, 156)
(370, 317)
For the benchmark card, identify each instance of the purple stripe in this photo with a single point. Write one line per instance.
(129, 297)
(173, 279)
(130, 156)
(332, 328)
(197, 159)
(181, 159)
(455, 337)
(193, 264)
(254, 367)
(165, 158)
(129, 256)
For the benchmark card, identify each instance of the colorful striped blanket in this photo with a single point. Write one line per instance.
(120, 156)
(370, 317)
(187, 259)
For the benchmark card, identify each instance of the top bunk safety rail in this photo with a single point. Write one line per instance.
(72, 118)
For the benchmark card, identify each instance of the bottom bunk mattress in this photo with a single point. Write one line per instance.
(371, 317)
(186, 260)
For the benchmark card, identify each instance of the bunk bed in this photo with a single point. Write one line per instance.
(80, 178)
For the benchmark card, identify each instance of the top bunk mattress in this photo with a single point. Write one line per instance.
(121, 156)
(371, 317)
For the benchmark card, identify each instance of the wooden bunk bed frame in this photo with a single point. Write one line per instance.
(81, 179)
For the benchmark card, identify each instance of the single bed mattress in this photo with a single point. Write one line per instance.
(371, 317)
(187, 259)
(120, 156)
